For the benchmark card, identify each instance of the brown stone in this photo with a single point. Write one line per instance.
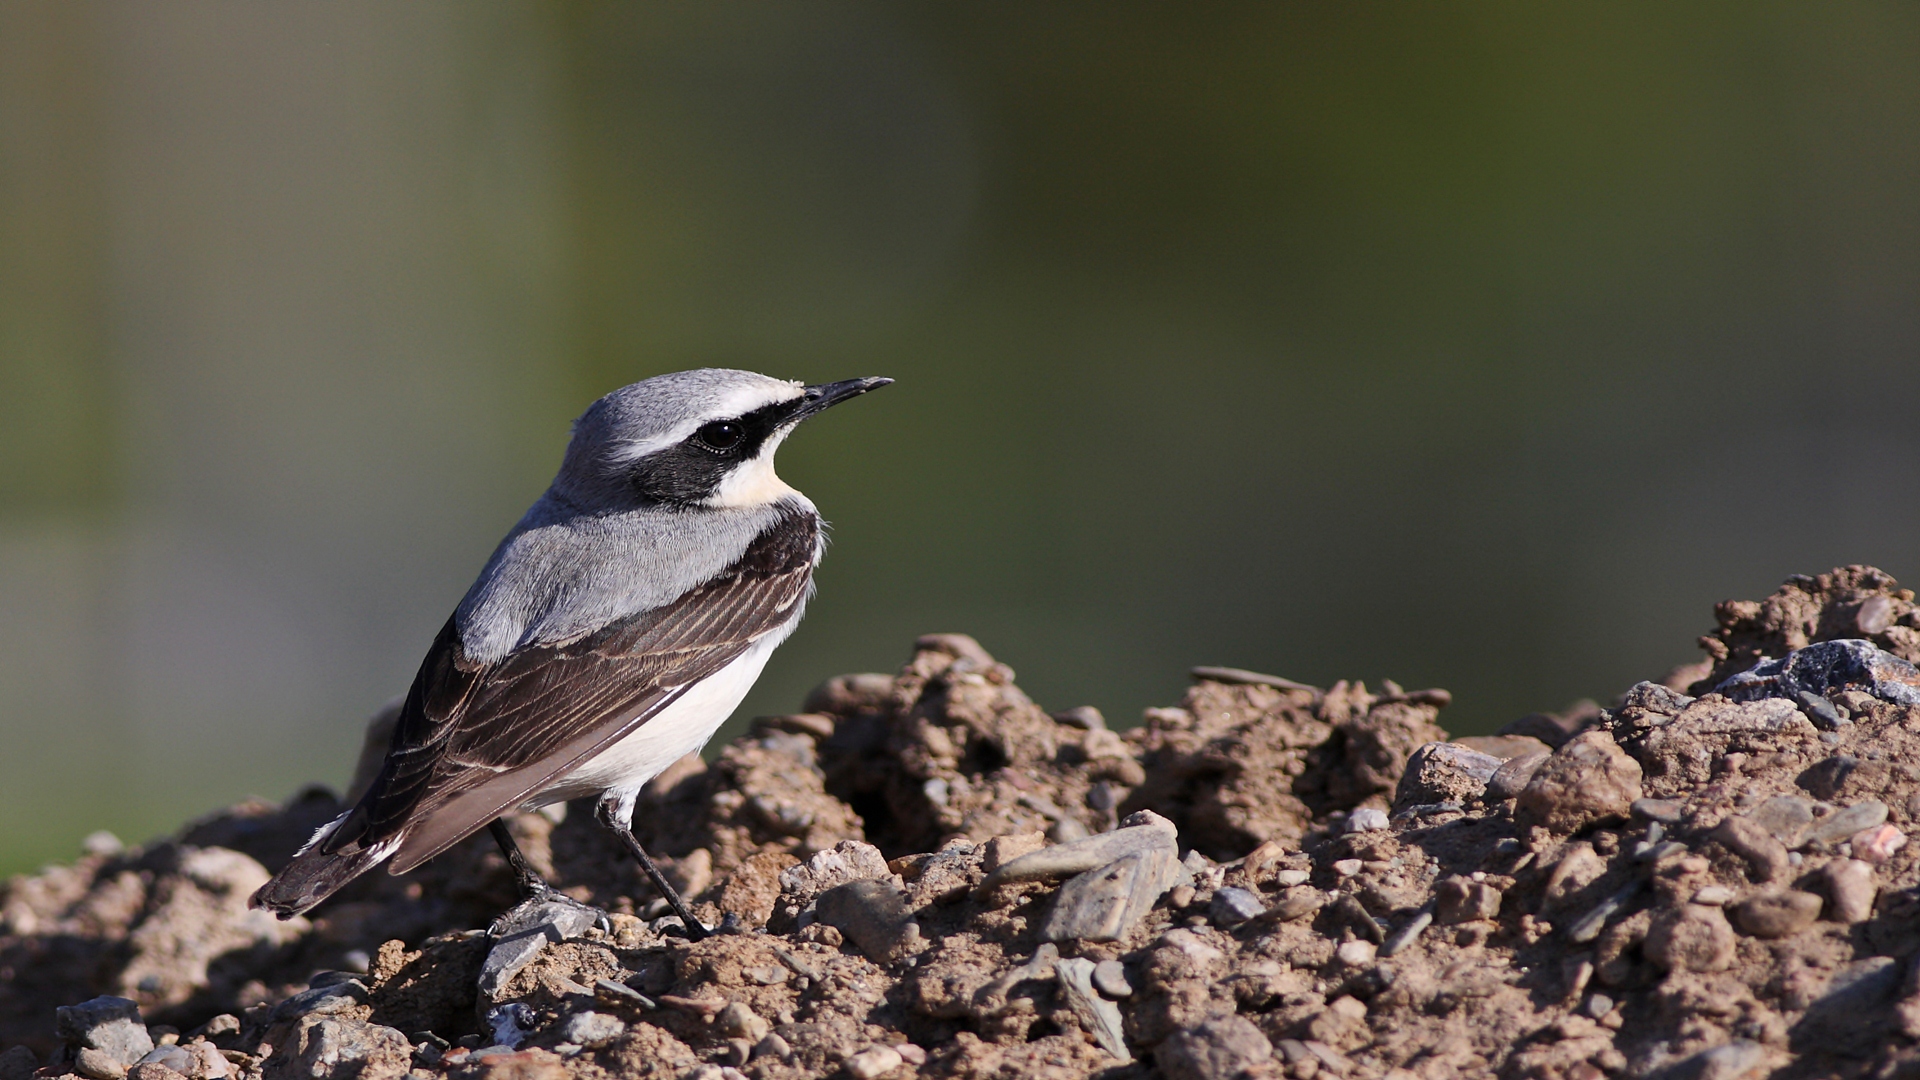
(1588, 780)
(1777, 915)
(1751, 841)
(1460, 899)
(1692, 937)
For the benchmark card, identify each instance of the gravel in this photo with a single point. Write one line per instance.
(1683, 884)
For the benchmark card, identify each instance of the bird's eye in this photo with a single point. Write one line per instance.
(720, 435)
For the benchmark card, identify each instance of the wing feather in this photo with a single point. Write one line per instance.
(474, 740)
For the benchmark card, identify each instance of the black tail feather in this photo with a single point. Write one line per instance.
(314, 875)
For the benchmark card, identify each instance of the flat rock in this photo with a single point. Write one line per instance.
(1232, 906)
(873, 914)
(1142, 831)
(1513, 775)
(1787, 817)
(1504, 747)
(1777, 915)
(1098, 1016)
(1844, 824)
(1656, 698)
(1110, 978)
(172, 1055)
(1664, 811)
(1829, 667)
(523, 933)
(1103, 904)
(1445, 772)
(1720, 716)
(110, 1025)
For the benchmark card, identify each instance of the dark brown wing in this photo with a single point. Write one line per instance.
(474, 740)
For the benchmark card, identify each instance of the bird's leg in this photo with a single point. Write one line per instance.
(609, 815)
(532, 886)
(535, 893)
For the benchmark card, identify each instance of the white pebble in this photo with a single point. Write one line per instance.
(1289, 878)
(873, 1063)
(1714, 896)
(1366, 819)
(1356, 953)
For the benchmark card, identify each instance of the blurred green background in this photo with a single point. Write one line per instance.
(1473, 345)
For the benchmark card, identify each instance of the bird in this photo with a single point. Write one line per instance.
(613, 630)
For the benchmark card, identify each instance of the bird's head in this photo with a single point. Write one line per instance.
(702, 438)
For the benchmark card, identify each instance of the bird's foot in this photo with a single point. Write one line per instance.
(546, 906)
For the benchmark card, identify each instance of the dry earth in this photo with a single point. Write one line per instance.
(931, 874)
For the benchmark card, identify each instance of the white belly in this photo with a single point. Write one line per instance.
(680, 729)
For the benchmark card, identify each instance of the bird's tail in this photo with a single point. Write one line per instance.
(316, 873)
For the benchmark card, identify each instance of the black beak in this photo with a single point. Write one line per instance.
(823, 396)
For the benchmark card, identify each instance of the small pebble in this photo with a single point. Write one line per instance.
(1460, 900)
(1874, 616)
(1819, 710)
(1298, 904)
(110, 1025)
(911, 1054)
(1598, 1005)
(1850, 890)
(1715, 895)
(1777, 915)
(1217, 1048)
(1589, 925)
(1409, 933)
(97, 1065)
(1739, 1058)
(1085, 717)
(1110, 978)
(1067, 830)
(1693, 937)
(773, 1046)
(102, 843)
(873, 1063)
(1356, 953)
(1347, 867)
(1749, 840)
(1232, 906)
(619, 991)
(172, 1056)
(1877, 845)
(1366, 819)
(592, 1029)
(737, 1021)
(1665, 811)
(1287, 879)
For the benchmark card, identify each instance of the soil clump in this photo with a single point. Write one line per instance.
(932, 875)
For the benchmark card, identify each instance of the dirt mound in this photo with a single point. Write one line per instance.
(935, 875)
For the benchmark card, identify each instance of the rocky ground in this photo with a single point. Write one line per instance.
(931, 874)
